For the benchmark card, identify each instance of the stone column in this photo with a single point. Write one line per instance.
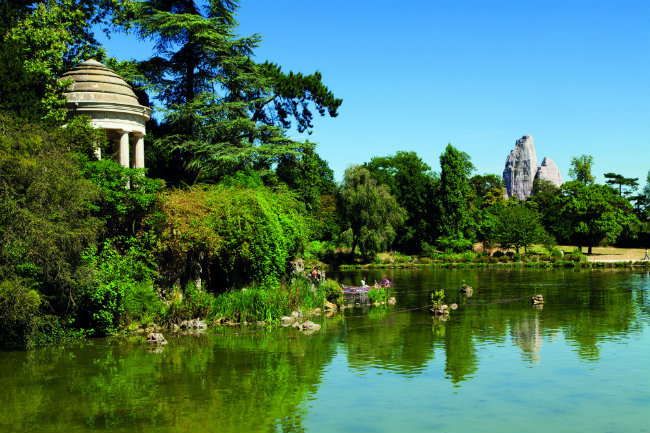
(123, 149)
(138, 154)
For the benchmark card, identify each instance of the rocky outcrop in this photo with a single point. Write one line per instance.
(549, 171)
(521, 169)
(156, 338)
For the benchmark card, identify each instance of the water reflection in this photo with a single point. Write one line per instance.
(586, 307)
(262, 379)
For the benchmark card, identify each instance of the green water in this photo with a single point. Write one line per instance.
(580, 363)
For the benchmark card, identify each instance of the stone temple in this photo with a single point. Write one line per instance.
(521, 169)
(98, 92)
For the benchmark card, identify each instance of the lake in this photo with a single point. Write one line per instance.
(580, 362)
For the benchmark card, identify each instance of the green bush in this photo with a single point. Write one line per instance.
(120, 289)
(240, 236)
(19, 308)
(333, 291)
(380, 294)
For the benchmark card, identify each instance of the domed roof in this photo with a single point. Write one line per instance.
(93, 82)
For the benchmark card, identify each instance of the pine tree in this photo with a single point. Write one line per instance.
(223, 111)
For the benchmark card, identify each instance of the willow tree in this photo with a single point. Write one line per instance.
(223, 112)
(370, 213)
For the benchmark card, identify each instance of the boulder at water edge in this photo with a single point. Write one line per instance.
(156, 338)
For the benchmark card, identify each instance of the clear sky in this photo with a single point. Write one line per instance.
(416, 75)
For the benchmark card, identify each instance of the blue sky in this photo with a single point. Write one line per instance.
(416, 75)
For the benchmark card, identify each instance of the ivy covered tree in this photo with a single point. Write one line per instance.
(370, 214)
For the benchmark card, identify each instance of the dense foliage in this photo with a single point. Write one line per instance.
(88, 247)
(370, 213)
(229, 236)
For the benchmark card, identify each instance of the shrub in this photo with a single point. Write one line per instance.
(240, 236)
(120, 289)
(380, 294)
(19, 307)
(438, 298)
(333, 292)
(454, 244)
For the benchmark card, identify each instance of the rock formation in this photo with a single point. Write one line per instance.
(521, 169)
(549, 171)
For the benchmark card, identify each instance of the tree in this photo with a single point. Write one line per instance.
(590, 214)
(454, 216)
(581, 169)
(544, 192)
(630, 183)
(486, 190)
(46, 224)
(370, 213)
(307, 174)
(518, 226)
(224, 112)
(411, 182)
(311, 179)
(38, 42)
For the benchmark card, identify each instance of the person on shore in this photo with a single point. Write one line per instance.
(646, 255)
(385, 282)
(376, 286)
(363, 282)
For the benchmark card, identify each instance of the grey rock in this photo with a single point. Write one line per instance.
(549, 171)
(310, 325)
(442, 310)
(297, 267)
(521, 168)
(156, 338)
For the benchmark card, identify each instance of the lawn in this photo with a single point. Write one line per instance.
(610, 254)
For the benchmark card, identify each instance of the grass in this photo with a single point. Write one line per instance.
(611, 254)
